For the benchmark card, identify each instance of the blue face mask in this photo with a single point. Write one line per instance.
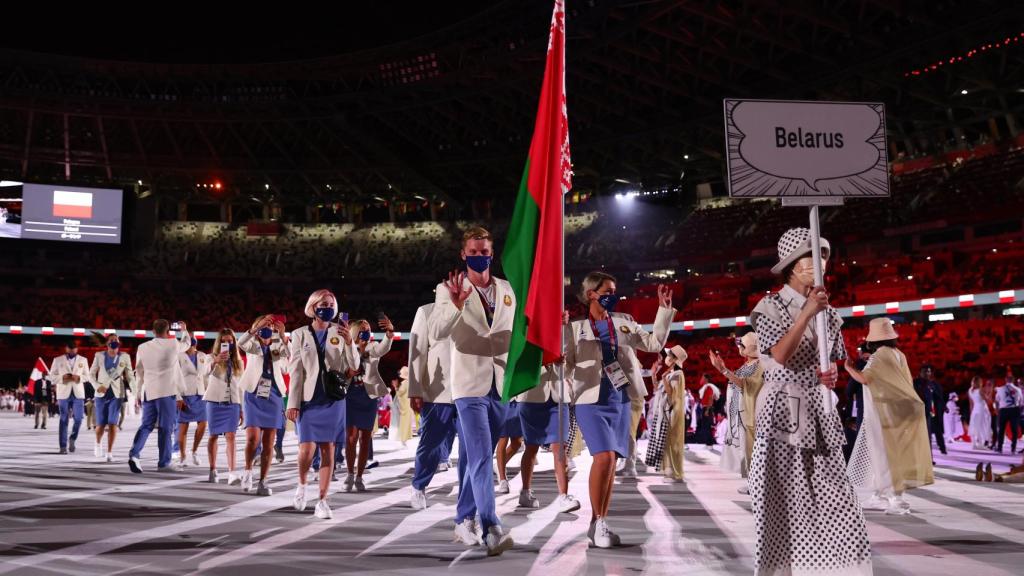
(71, 355)
(478, 264)
(266, 333)
(114, 345)
(194, 342)
(364, 335)
(325, 314)
(608, 301)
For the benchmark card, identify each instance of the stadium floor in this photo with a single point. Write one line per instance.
(73, 515)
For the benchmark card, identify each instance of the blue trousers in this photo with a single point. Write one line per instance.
(162, 412)
(74, 408)
(437, 425)
(480, 423)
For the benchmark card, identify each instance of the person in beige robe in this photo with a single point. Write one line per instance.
(749, 378)
(892, 452)
(674, 389)
(405, 413)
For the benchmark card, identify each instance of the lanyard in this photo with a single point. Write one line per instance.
(488, 305)
(613, 339)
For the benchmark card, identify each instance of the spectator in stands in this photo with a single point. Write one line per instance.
(934, 404)
(1008, 400)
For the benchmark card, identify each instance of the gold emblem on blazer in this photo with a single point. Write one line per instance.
(508, 300)
(335, 341)
(625, 329)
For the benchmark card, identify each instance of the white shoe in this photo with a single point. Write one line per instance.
(263, 490)
(299, 501)
(497, 541)
(213, 477)
(876, 503)
(567, 503)
(110, 457)
(571, 466)
(744, 488)
(323, 510)
(234, 479)
(467, 532)
(350, 482)
(600, 535)
(195, 459)
(360, 487)
(898, 506)
(97, 450)
(442, 467)
(418, 500)
(502, 487)
(246, 481)
(628, 471)
(528, 500)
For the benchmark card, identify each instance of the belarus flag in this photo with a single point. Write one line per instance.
(532, 259)
(72, 204)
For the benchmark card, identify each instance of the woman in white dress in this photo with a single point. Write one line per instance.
(980, 427)
(954, 426)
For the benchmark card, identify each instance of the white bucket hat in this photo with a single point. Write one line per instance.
(880, 329)
(749, 348)
(679, 353)
(794, 245)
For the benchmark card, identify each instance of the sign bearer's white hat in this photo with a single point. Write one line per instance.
(794, 245)
(678, 353)
(880, 329)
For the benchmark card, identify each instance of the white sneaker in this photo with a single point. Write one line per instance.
(299, 501)
(528, 500)
(418, 500)
(628, 471)
(502, 487)
(876, 503)
(442, 467)
(467, 532)
(571, 466)
(497, 541)
(744, 488)
(110, 457)
(195, 459)
(360, 487)
(600, 535)
(246, 481)
(898, 506)
(234, 479)
(323, 510)
(567, 503)
(263, 490)
(350, 482)
(97, 450)
(213, 477)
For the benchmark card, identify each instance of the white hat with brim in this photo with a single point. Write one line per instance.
(880, 330)
(794, 245)
(749, 341)
(679, 353)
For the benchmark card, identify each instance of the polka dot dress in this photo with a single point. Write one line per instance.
(808, 518)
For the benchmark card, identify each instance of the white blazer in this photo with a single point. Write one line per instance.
(122, 373)
(429, 361)
(250, 344)
(158, 369)
(218, 389)
(195, 375)
(548, 388)
(304, 365)
(77, 367)
(478, 352)
(374, 384)
(584, 360)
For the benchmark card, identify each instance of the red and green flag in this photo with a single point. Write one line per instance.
(532, 259)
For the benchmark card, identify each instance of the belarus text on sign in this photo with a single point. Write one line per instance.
(781, 148)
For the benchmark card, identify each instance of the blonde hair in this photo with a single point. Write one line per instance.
(476, 233)
(316, 297)
(593, 281)
(236, 358)
(355, 325)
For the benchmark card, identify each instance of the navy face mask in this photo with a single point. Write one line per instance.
(478, 264)
(364, 335)
(114, 345)
(325, 314)
(194, 342)
(71, 355)
(608, 301)
(266, 333)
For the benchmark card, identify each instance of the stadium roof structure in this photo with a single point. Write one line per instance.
(443, 107)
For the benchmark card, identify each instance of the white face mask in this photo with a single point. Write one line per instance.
(804, 270)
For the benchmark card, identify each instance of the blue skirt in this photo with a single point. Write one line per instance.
(540, 422)
(195, 409)
(360, 409)
(107, 410)
(512, 428)
(222, 417)
(605, 424)
(322, 421)
(264, 412)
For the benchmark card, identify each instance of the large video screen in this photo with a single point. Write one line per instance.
(61, 213)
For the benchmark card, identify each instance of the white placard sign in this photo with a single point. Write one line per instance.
(795, 149)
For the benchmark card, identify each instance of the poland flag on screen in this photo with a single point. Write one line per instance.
(72, 204)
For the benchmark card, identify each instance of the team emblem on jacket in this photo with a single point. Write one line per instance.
(335, 341)
(508, 300)
(625, 329)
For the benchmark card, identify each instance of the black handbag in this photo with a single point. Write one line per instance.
(335, 382)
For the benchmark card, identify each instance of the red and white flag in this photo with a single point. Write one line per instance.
(72, 204)
(37, 373)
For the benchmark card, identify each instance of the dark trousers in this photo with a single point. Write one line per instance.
(937, 428)
(1009, 416)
